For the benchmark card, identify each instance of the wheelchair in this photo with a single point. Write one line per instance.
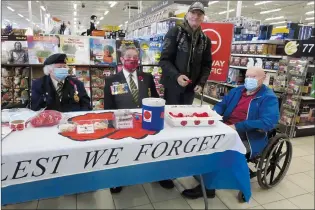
(273, 163)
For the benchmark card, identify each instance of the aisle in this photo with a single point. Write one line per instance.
(296, 191)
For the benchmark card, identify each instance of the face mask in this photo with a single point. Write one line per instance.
(251, 84)
(61, 73)
(131, 64)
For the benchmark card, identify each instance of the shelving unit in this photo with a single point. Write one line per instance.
(246, 67)
(257, 55)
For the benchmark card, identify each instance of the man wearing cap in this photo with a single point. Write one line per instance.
(57, 90)
(186, 58)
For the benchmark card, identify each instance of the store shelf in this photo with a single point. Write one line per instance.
(260, 42)
(245, 67)
(259, 56)
(307, 98)
(304, 130)
(222, 83)
(208, 99)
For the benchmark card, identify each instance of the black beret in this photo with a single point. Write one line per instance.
(56, 58)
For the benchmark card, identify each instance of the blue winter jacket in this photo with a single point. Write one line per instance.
(263, 115)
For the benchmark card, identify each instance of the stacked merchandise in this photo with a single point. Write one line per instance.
(98, 75)
(245, 28)
(254, 48)
(83, 74)
(216, 91)
(102, 51)
(14, 49)
(296, 72)
(14, 85)
(41, 47)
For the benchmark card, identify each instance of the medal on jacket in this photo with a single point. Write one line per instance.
(149, 92)
(76, 93)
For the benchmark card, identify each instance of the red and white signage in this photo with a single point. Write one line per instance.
(221, 35)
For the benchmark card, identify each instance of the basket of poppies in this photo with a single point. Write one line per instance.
(191, 116)
(46, 118)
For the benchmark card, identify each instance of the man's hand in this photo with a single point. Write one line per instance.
(183, 80)
(198, 89)
(233, 127)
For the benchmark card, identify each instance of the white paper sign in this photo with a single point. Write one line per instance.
(82, 129)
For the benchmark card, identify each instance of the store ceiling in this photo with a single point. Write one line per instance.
(119, 14)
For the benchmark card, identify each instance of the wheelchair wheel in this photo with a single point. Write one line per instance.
(241, 197)
(270, 172)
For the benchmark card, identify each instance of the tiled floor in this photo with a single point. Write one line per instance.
(296, 191)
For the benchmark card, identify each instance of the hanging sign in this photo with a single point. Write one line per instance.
(221, 35)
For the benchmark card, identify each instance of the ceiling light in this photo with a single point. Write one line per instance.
(7, 20)
(275, 23)
(311, 23)
(262, 2)
(11, 9)
(275, 18)
(101, 18)
(106, 12)
(310, 12)
(48, 15)
(20, 15)
(43, 8)
(223, 12)
(75, 6)
(126, 22)
(98, 22)
(269, 11)
(74, 13)
(74, 19)
(27, 19)
(120, 25)
(310, 3)
(113, 3)
(310, 18)
(212, 2)
(281, 26)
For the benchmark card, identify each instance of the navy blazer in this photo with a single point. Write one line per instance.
(125, 101)
(44, 95)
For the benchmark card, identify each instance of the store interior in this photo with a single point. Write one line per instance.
(266, 34)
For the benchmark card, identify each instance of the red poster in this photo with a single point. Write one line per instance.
(221, 35)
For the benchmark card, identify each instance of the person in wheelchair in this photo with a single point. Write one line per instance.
(252, 110)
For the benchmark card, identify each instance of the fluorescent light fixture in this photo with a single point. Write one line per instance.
(126, 22)
(311, 23)
(101, 18)
(20, 15)
(74, 19)
(275, 23)
(10, 8)
(212, 2)
(275, 18)
(7, 20)
(37, 1)
(27, 19)
(310, 18)
(113, 3)
(43, 8)
(262, 2)
(120, 25)
(310, 12)
(223, 12)
(48, 15)
(281, 26)
(74, 13)
(14, 23)
(269, 11)
(106, 12)
(310, 3)
(75, 6)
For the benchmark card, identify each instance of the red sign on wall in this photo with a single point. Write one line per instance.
(221, 35)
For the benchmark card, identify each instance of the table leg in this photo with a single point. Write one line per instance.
(203, 188)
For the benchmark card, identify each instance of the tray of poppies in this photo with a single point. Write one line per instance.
(191, 116)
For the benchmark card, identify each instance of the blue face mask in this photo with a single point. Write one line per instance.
(251, 84)
(61, 73)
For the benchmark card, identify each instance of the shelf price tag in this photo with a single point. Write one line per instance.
(85, 129)
(307, 48)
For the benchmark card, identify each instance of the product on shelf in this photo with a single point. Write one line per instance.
(14, 85)
(83, 74)
(76, 49)
(253, 48)
(150, 52)
(14, 49)
(41, 47)
(97, 83)
(102, 51)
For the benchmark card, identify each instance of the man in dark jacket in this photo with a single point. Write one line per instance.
(186, 58)
(57, 90)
